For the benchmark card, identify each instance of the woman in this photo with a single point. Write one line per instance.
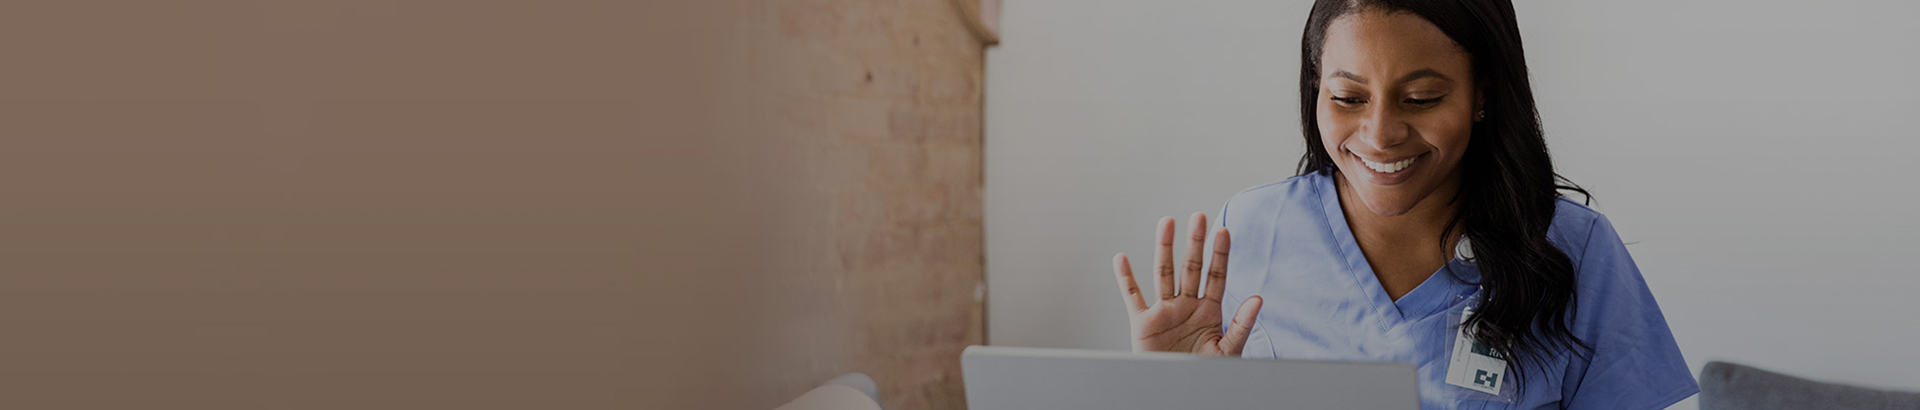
(1425, 226)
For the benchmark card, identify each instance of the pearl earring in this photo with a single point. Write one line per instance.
(1480, 115)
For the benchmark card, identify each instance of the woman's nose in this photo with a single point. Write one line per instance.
(1383, 128)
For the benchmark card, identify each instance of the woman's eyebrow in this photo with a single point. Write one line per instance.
(1350, 76)
(1422, 73)
(1415, 75)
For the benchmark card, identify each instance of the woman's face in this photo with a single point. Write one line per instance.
(1396, 107)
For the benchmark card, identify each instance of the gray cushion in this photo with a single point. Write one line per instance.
(1728, 386)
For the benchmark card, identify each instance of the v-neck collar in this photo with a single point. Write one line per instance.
(1456, 278)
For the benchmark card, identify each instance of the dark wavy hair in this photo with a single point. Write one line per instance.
(1507, 183)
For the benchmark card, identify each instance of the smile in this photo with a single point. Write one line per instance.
(1387, 167)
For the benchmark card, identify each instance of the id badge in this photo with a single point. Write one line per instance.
(1474, 366)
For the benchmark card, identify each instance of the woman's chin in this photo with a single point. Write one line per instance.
(1388, 204)
(1390, 200)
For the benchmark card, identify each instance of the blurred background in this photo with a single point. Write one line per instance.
(723, 204)
(487, 204)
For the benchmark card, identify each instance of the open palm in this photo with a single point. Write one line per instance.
(1184, 320)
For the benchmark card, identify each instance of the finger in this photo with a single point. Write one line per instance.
(1129, 289)
(1237, 333)
(1196, 247)
(1163, 258)
(1217, 271)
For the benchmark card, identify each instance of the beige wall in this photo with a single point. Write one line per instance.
(479, 205)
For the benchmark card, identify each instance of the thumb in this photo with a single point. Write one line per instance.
(1242, 327)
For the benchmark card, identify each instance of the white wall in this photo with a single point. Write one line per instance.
(1750, 153)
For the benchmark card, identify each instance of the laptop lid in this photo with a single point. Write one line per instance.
(1017, 378)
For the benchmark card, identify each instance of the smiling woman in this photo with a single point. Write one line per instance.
(1410, 122)
(1426, 226)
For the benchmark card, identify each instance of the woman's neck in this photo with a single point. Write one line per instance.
(1424, 221)
(1404, 249)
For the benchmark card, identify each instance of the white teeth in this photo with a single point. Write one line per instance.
(1387, 167)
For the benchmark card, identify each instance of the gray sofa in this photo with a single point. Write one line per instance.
(1728, 386)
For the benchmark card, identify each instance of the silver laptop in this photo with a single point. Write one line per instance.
(1016, 378)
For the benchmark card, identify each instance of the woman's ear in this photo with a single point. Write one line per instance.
(1479, 105)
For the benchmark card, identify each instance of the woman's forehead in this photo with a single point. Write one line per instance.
(1373, 44)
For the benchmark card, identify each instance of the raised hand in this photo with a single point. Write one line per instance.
(1183, 320)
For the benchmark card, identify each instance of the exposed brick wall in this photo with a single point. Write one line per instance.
(884, 98)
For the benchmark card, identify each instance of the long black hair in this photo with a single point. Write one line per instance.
(1507, 184)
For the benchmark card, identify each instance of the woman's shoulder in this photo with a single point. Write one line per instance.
(1600, 257)
(1298, 189)
(1290, 202)
(1574, 227)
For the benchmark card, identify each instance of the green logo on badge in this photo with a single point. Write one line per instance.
(1482, 378)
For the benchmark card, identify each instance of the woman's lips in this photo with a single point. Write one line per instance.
(1389, 172)
(1387, 167)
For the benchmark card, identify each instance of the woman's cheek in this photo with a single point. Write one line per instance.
(1461, 131)
(1333, 130)
(1448, 131)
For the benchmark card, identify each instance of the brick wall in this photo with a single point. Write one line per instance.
(883, 102)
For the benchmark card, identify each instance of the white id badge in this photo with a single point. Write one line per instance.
(1474, 366)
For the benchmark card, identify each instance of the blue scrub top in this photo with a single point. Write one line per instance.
(1292, 246)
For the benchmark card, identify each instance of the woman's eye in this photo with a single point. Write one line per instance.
(1423, 101)
(1349, 100)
